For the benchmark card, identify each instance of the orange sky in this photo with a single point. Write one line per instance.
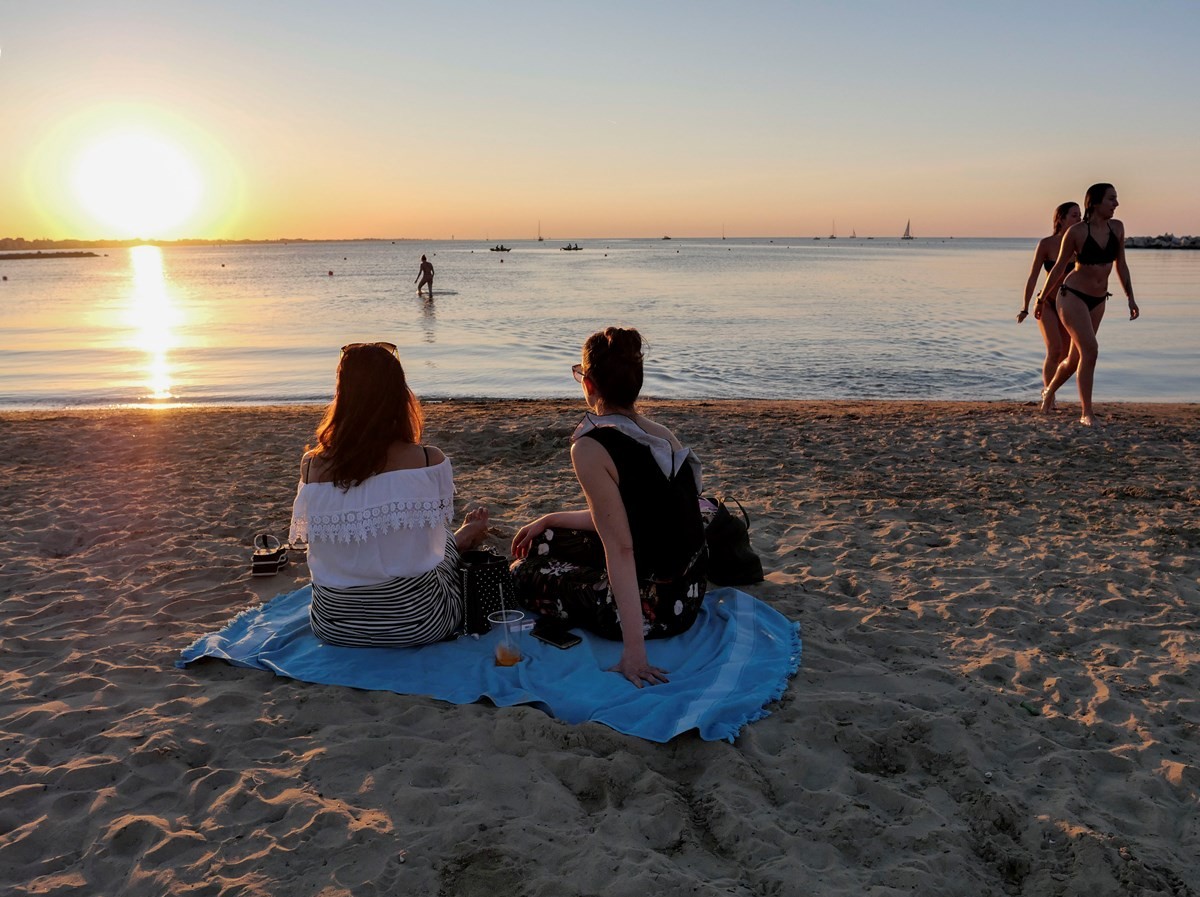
(614, 120)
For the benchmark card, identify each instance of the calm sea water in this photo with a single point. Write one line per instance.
(926, 319)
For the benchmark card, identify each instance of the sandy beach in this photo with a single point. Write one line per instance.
(1001, 623)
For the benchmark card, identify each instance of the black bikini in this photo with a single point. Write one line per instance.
(1088, 299)
(1092, 254)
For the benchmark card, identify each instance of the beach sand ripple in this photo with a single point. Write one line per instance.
(1001, 620)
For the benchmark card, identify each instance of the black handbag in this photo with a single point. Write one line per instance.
(487, 585)
(731, 560)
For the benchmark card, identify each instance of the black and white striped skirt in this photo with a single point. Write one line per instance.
(404, 611)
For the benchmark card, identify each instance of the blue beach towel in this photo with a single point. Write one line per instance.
(735, 660)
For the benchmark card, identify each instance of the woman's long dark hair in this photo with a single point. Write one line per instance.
(1061, 212)
(612, 360)
(372, 408)
(1093, 197)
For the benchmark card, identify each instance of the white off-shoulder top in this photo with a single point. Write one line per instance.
(389, 525)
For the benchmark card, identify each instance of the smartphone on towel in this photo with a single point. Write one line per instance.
(555, 632)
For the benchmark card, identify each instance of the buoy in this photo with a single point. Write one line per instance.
(331, 274)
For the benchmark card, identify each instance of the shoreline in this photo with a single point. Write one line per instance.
(1001, 624)
(486, 401)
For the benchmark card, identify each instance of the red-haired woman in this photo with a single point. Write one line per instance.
(631, 566)
(1095, 244)
(1054, 334)
(374, 505)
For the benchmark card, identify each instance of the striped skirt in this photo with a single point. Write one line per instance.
(402, 612)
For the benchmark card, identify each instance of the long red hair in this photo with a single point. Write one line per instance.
(372, 408)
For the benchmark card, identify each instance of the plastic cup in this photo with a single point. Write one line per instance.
(508, 648)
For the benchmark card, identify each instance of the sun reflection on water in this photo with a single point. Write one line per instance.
(154, 317)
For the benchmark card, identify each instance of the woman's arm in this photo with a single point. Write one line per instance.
(562, 519)
(1123, 273)
(598, 477)
(1039, 257)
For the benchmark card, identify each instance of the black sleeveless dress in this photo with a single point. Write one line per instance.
(565, 576)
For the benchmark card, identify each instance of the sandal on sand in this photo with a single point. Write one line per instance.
(269, 556)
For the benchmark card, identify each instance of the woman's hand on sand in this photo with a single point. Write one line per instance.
(637, 669)
(525, 536)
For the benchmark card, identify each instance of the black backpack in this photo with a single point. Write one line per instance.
(731, 560)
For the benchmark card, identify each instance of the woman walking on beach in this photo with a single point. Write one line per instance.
(374, 505)
(1094, 244)
(1054, 334)
(631, 566)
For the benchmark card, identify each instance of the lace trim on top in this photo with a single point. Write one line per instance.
(668, 459)
(384, 503)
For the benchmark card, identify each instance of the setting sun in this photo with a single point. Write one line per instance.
(137, 183)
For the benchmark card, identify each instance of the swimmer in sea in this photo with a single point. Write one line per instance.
(425, 276)
(1095, 245)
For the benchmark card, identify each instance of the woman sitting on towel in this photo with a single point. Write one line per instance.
(374, 505)
(632, 565)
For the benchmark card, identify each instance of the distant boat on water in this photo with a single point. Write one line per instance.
(907, 230)
(500, 248)
(540, 240)
(666, 238)
(571, 247)
(833, 230)
(853, 234)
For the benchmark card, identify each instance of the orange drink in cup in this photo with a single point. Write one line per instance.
(508, 647)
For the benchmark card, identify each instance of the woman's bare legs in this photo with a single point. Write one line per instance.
(1082, 325)
(1058, 342)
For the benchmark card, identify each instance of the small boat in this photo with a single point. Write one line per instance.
(571, 247)
(833, 235)
(907, 231)
(540, 238)
(666, 238)
(500, 247)
(853, 234)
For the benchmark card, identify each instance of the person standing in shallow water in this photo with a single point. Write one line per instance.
(425, 276)
(1054, 334)
(1094, 244)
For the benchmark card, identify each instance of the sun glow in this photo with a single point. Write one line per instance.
(154, 317)
(137, 183)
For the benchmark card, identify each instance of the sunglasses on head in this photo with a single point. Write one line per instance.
(577, 370)
(387, 347)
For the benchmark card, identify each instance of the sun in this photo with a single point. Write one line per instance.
(137, 183)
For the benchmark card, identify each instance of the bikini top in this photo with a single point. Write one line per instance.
(1048, 264)
(1092, 254)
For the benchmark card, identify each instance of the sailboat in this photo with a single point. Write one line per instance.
(853, 234)
(540, 239)
(833, 236)
(907, 230)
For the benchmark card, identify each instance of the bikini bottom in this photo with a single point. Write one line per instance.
(1089, 300)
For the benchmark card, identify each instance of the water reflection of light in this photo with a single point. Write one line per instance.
(154, 316)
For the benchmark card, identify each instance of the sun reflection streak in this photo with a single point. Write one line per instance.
(153, 316)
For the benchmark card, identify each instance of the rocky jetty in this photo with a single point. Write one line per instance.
(1163, 241)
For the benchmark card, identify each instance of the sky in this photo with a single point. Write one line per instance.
(232, 120)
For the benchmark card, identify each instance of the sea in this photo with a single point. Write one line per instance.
(779, 318)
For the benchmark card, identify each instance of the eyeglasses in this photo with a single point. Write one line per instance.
(577, 370)
(387, 347)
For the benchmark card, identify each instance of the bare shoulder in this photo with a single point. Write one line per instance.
(314, 468)
(1118, 227)
(436, 455)
(657, 429)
